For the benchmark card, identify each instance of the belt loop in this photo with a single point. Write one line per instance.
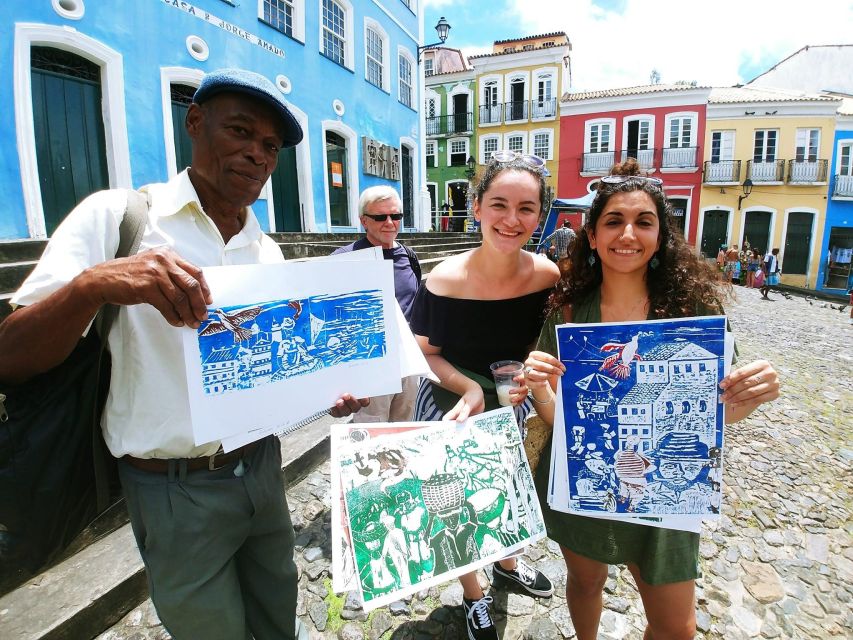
(182, 470)
(171, 471)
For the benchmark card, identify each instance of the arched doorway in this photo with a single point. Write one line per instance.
(408, 186)
(284, 184)
(337, 174)
(715, 228)
(69, 130)
(756, 230)
(182, 97)
(798, 242)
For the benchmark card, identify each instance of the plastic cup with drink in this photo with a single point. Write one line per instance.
(504, 373)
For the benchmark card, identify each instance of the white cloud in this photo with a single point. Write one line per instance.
(684, 40)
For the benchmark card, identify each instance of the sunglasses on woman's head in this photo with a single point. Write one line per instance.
(508, 156)
(381, 217)
(619, 179)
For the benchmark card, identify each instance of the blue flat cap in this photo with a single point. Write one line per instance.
(251, 84)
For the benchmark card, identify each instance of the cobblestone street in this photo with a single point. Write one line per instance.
(777, 564)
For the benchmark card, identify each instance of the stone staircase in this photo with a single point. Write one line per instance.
(101, 577)
(19, 257)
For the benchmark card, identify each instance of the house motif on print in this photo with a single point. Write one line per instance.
(260, 361)
(219, 370)
(676, 390)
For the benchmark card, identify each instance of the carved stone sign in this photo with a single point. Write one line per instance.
(380, 159)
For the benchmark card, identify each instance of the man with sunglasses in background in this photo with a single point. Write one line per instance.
(381, 215)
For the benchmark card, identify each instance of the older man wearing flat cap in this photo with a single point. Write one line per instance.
(213, 529)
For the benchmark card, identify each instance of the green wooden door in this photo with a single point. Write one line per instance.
(285, 192)
(714, 232)
(798, 240)
(182, 97)
(336, 174)
(756, 231)
(69, 131)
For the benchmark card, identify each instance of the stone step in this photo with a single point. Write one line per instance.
(21, 250)
(88, 592)
(12, 274)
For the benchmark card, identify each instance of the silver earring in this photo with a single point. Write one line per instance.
(654, 262)
(591, 259)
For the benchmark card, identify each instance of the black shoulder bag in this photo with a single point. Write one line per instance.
(55, 470)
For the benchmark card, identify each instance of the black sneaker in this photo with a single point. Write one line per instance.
(478, 620)
(531, 580)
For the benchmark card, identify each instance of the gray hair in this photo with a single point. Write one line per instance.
(377, 194)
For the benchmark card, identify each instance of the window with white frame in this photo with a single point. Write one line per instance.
(373, 45)
(764, 149)
(845, 159)
(334, 24)
(544, 105)
(405, 73)
(515, 142)
(490, 108)
(541, 144)
(427, 67)
(280, 14)
(429, 148)
(722, 146)
(488, 146)
(680, 132)
(599, 137)
(430, 105)
(807, 145)
(457, 152)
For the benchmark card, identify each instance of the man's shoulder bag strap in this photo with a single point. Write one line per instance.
(413, 261)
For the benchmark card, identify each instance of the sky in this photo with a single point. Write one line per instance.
(617, 43)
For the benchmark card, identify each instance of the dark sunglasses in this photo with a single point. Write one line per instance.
(381, 218)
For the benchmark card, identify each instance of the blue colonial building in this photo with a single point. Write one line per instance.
(95, 92)
(836, 272)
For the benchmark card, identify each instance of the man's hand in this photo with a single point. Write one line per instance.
(347, 404)
(159, 277)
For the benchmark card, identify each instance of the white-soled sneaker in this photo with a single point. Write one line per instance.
(531, 580)
(478, 620)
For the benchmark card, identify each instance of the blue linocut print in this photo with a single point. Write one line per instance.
(245, 347)
(644, 429)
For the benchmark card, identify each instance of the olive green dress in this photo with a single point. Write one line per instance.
(662, 555)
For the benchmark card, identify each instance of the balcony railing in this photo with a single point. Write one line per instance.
(598, 162)
(806, 171)
(644, 157)
(490, 114)
(769, 171)
(680, 157)
(514, 111)
(843, 186)
(543, 108)
(455, 123)
(722, 171)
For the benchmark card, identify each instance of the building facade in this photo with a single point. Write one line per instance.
(449, 117)
(99, 91)
(517, 87)
(661, 126)
(781, 141)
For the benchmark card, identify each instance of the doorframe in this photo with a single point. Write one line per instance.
(348, 134)
(784, 239)
(417, 213)
(116, 147)
(772, 234)
(168, 77)
(700, 227)
(303, 178)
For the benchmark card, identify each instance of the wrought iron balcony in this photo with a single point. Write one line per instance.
(514, 111)
(806, 171)
(722, 171)
(765, 171)
(448, 124)
(679, 157)
(491, 113)
(598, 162)
(543, 108)
(843, 187)
(644, 157)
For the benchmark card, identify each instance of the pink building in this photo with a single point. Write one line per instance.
(662, 126)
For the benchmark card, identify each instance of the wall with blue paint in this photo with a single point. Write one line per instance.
(839, 213)
(151, 34)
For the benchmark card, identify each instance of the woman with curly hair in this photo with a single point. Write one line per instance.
(628, 265)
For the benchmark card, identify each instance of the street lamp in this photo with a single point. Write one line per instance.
(747, 189)
(472, 168)
(442, 29)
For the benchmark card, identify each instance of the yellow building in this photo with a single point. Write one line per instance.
(774, 145)
(517, 89)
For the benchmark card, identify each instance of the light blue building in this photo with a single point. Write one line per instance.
(95, 93)
(836, 270)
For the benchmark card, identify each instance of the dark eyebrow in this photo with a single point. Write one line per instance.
(502, 199)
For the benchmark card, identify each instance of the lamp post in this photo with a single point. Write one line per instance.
(747, 189)
(442, 28)
(472, 168)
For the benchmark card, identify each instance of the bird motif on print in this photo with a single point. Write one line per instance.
(296, 305)
(231, 322)
(618, 364)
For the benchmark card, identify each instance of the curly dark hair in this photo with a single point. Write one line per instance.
(681, 285)
(495, 168)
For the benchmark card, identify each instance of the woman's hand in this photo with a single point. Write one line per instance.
(747, 387)
(518, 394)
(542, 370)
(470, 404)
